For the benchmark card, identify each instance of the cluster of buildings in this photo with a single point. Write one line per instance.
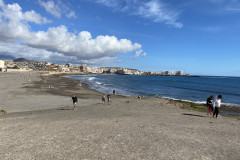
(20, 65)
(172, 73)
(26, 65)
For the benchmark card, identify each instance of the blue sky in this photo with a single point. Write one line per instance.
(199, 36)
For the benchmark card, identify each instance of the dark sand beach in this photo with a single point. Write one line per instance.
(41, 124)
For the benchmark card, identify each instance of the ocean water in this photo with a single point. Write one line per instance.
(194, 89)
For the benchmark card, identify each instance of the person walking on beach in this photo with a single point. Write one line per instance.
(103, 98)
(216, 105)
(109, 98)
(210, 105)
(75, 101)
(114, 92)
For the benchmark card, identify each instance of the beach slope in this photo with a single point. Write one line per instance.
(126, 128)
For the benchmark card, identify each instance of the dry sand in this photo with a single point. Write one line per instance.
(41, 124)
(27, 91)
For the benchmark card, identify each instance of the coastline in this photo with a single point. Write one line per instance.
(63, 86)
(126, 128)
(225, 110)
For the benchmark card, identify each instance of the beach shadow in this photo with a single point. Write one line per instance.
(194, 115)
(65, 109)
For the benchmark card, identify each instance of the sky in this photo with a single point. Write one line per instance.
(200, 37)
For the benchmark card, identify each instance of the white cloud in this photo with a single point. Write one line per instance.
(19, 51)
(144, 54)
(109, 3)
(138, 54)
(14, 22)
(81, 45)
(14, 14)
(1, 3)
(235, 9)
(104, 61)
(51, 7)
(154, 10)
(227, 6)
(71, 14)
(11, 31)
(57, 9)
(157, 11)
(59, 40)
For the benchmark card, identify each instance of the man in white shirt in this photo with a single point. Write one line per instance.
(216, 105)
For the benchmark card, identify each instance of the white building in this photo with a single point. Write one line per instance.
(87, 69)
(180, 73)
(2, 65)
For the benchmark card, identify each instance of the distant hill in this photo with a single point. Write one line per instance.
(22, 60)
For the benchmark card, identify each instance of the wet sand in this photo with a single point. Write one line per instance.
(126, 128)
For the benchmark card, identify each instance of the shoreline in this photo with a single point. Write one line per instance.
(71, 86)
(225, 110)
(229, 104)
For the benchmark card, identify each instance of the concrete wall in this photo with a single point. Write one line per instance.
(18, 70)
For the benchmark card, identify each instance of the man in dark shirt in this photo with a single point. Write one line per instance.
(210, 105)
(75, 101)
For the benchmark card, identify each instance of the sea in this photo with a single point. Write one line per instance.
(192, 89)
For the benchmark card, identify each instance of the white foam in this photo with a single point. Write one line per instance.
(91, 78)
(203, 102)
(98, 82)
(198, 102)
(231, 104)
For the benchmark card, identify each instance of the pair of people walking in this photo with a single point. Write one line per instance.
(214, 105)
(108, 98)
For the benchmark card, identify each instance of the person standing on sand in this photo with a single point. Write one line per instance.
(103, 98)
(210, 105)
(75, 101)
(114, 92)
(109, 98)
(216, 105)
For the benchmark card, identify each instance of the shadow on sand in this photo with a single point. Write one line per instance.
(63, 109)
(195, 115)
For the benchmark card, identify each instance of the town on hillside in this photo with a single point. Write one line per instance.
(22, 64)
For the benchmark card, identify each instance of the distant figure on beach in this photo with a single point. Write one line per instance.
(75, 101)
(51, 86)
(139, 97)
(109, 98)
(114, 92)
(216, 105)
(80, 84)
(210, 105)
(103, 98)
